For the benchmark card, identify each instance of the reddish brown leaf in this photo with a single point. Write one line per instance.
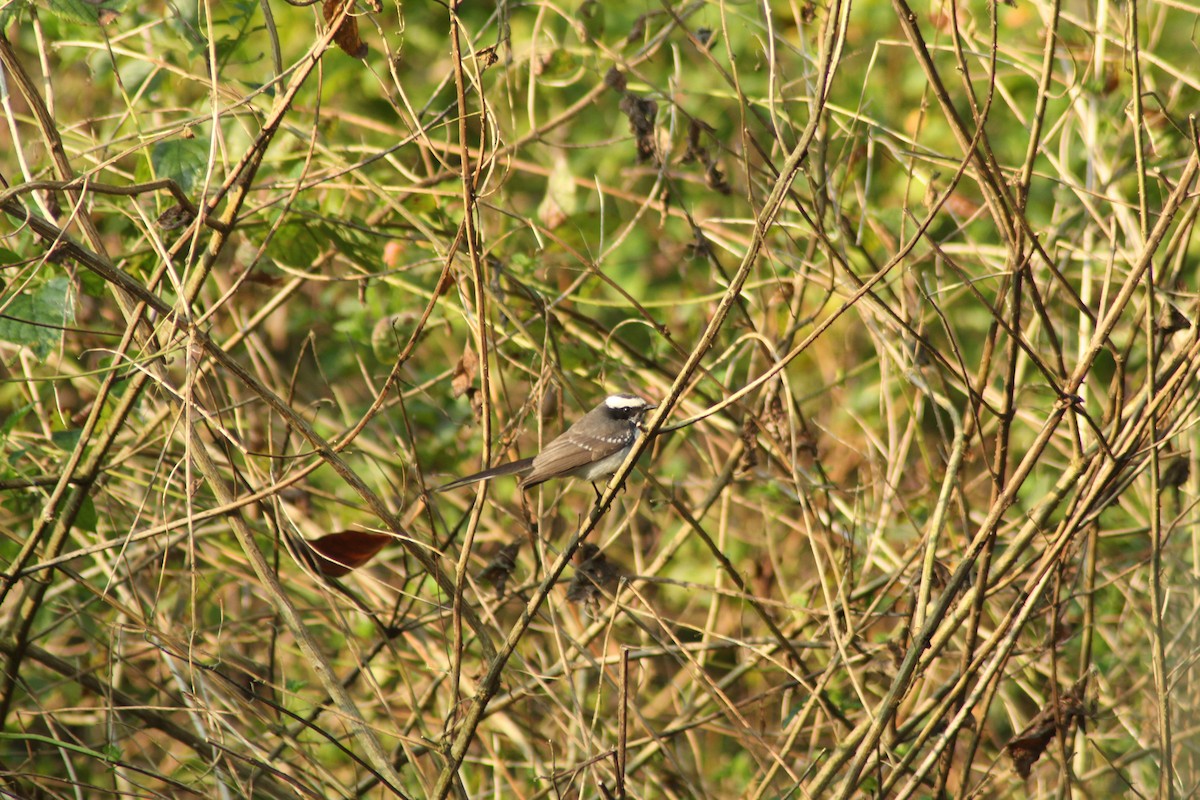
(446, 283)
(346, 36)
(338, 553)
(1027, 746)
(1026, 750)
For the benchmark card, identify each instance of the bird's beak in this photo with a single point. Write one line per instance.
(641, 421)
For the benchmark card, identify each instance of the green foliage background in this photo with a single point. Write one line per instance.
(923, 290)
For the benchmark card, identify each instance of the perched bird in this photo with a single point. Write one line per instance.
(593, 448)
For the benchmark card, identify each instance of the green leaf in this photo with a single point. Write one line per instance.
(23, 739)
(297, 244)
(9, 424)
(523, 264)
(86, 519)
(35, 317)
(100, 13)
(182, 160)
(9, 13)
(66, 440)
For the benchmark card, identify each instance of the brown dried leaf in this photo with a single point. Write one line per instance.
(500, 568)
(695, 149)
(777, 424)
(446, 283)
(714, 178)
(614, 79)
(336, 554)
(749, 458)
(1171, 319)
(346, 36)
(762, 576)
(594, 575)
(699, 246)
(642, 112)
(464, 372)
(1175, 473)
(637, 30)
(174, 218)
(1027, 747)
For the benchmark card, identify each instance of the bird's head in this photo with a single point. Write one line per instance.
(626, 407)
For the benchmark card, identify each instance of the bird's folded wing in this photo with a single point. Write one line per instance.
(568, 453)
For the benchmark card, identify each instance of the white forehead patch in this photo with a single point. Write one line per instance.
(624, 401)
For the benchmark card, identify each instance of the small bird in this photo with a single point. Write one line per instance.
(594, 447)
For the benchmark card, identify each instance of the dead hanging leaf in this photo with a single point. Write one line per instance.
(1027, 747)
(486, 57)
(445, 283)
(695, 148)
(346, 36)
(1171, 319)
(641, 112)
(615, 79)
(1175, 473)
(548, 405)
(637, 30)
(699, 246)
(762, 576)
(714, 178)
(749, 459)
(336, 554)
(594, 575)
(174, 218)
(464, 372)
(777, 423)
(500, 568)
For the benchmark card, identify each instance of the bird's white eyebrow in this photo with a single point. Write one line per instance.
(621, 401)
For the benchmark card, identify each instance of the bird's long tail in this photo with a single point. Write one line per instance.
(511, 468)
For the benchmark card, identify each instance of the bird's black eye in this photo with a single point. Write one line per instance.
(622, 407)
